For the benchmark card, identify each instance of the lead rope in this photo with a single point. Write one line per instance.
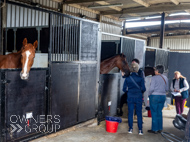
(171, 137)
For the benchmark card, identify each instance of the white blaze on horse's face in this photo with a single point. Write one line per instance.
(27, 57)
(25, 75)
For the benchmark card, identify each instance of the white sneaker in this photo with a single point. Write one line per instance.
(130, 131)
(140, 132)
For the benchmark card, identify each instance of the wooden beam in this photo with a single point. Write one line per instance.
(175, 2)
(93, 11)
(188, 11)
(158, 30)
(133, 14)
(84, 8)
(140, 17)
(78, 1)
(112, 7)
(57, 0)
(155, 8)
(98, 19)
(142, 3)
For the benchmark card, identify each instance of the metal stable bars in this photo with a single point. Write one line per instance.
(65, 42)
(18, 17)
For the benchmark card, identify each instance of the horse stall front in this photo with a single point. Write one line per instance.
(23, 104)
(74, 59)
(111, 84)
(68, 83)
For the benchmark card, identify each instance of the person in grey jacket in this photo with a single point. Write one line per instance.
(157, 92)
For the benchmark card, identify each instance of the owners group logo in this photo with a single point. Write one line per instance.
(30, 124)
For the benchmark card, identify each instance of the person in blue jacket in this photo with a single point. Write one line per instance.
(123, 99)
(134, 86)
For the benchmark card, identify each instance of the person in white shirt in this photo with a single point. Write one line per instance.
(146, 93)
(179, 84)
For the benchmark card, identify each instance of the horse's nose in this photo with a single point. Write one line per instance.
(24, 76)
(127, 73)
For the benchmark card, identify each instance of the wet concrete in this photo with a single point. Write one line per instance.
(98, 133)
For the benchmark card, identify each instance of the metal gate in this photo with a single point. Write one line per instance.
(23, 102)
(108, 95)
(156, 56)
(134, 48)
(74, 68)
(128, 49)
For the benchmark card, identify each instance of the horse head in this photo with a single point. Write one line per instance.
(123, 65)
(27, 57)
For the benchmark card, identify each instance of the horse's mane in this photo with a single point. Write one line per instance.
(148, 67)
(109, 58)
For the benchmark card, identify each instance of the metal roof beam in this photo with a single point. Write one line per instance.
(158, 30)
(79, 1)
(169, 18)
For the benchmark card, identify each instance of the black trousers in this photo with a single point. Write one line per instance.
(123, 100)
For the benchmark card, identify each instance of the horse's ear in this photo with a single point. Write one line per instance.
(24, 41)
(35, 44)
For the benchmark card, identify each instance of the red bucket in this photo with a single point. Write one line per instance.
(149, 113)
(111, 126)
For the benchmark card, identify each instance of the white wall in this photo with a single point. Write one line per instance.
(40, 60)
(178, 43)
(104, 27)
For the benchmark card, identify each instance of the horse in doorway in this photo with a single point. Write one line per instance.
(119, 61)
(22, 59)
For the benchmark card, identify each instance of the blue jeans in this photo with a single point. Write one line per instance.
(134, 102)
(156, 106)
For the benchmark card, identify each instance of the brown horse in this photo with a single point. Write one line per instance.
(22, 59)
(149, 71)
(119, 61)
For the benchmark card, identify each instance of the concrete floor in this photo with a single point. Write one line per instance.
(99, 134)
